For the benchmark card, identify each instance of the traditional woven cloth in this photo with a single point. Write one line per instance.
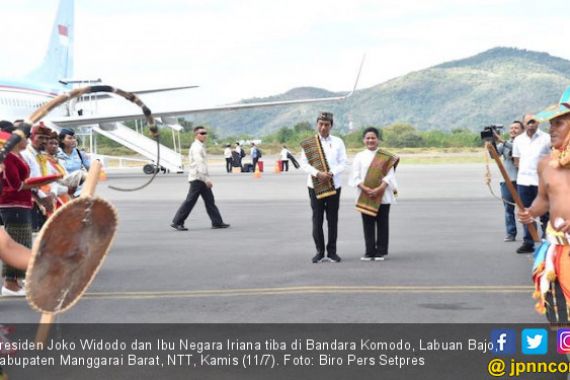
(381, 164)
(18, 224)
(316, 157)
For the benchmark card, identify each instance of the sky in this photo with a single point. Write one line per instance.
(254, 48)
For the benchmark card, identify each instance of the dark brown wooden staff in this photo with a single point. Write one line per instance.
(531, 227)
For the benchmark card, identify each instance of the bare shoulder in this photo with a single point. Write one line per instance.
(543, 164)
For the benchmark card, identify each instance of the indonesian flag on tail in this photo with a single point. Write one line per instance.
(63, 34)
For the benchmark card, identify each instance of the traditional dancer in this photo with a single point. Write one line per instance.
(551, 270)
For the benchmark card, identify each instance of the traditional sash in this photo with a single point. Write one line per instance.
(380, 166)
(316, 157)
(551, 276)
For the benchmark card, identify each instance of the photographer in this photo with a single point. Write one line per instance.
(528, 149)
(505, 149)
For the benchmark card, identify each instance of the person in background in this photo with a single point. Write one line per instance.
(240, 154)
(505, 149)
(254, 153)
(15, 207)
(69, 154)
(200, 185)
(61, 192)
(285, 159)
(228, 157)
(528, 149)
(36, 160)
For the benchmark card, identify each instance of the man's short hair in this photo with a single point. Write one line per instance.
(325, 116)
(519, 123)
(196, 129)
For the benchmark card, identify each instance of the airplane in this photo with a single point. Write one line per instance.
(20, 98)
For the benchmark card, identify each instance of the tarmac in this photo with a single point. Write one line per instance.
(447, 260)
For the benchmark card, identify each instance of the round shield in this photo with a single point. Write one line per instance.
(68, 253)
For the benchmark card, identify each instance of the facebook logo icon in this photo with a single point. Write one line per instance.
(504, 341)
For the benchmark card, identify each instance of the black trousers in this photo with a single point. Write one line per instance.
(285, 165)
(254, 162)
(320, 206)
(376, 232)
(229, 164)
(198, 188)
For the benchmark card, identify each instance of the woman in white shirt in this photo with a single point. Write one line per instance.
(375, 222)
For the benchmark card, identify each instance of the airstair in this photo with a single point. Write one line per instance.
(119, 132)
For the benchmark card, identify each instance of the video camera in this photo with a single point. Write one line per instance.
(488, 132)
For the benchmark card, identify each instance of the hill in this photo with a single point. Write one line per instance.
(495, 86)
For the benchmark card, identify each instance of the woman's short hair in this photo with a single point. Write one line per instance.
(373, 130)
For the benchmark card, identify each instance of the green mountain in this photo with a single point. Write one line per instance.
(496, 86)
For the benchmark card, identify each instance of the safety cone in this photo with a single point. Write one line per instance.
(257, 173)
(277, 168)
(102, 175)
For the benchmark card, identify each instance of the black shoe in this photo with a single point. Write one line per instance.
(179, 227)
(334, 257)
(526, 248)
(367, 258)
(317, 258)
(221, 225)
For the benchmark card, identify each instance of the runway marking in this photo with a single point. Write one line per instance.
(295, 290)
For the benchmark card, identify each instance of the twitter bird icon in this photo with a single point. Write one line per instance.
(534, 341)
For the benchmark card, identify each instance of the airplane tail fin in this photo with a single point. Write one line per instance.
(58, 61)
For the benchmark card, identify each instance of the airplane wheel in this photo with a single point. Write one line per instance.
(149, 169)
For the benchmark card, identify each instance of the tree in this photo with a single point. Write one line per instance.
(303, 126)
(284, 134)
(402, 135)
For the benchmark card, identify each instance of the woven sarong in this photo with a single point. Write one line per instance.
(18, 224)
(316, 157)
(380, 166)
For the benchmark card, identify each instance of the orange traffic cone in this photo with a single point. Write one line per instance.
(257, 173)
(102, 175)
(277, 167)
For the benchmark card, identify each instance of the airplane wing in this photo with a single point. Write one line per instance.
(100, 96)
(70, 121)
(153, 90)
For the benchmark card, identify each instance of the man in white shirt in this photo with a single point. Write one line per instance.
(37, 161)
(528, 149)
(335, 154)
(200, 184)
